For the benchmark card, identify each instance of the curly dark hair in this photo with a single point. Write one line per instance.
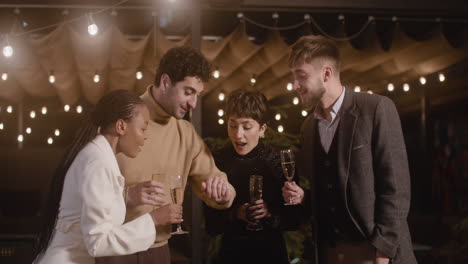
(248, 104)
(180, 62)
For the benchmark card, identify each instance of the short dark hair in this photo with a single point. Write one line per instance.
(311, 47)
(248, 104)
(180, 62)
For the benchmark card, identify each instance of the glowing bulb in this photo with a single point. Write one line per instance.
(390, 87)
(9, 109)
(406, 87)
(79, 109)
(50, 140)
(216, 74)
(370, 92)
(93, 29)
(96, 78)
(4, 76)
(66, 108)
(220, 121)
(289, 86)
(253, 80)
(441, 77)
(7, 51)
(2, 126)
(280, 128)
(139, 75)
(28, 130)
(295, 100)
(277, 116)
(20, 138)
(44, 110)
(51, 78)
(304, 113)
(220, 112)
(221, 96)
(357, 89)
(57, 132)
(422, 80)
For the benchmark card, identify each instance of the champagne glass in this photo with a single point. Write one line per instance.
(256, 191)
(288, 165)
(177, 191)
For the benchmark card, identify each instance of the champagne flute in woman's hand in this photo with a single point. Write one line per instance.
(256, 191)
(177, 191)
(288, 165)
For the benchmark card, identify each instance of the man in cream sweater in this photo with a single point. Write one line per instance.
(172, 148)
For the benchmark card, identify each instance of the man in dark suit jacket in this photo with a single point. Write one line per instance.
(354, 154)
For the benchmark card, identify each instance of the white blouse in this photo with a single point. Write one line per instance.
(92, 211)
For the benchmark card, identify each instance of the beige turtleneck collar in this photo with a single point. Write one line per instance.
(157, 113)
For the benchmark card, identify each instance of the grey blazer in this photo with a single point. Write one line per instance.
(373, 173)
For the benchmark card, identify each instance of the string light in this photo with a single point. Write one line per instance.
(253, 80)
(7, 51)
(28, 130)
(370, 92)
(278, 117)
(4, 76)
(390, 87)
(295, 100)
(50, 141)
(289, 86)
(139, 75)
(32, 114)
(2, 126)
(216, 74)
(357, 89)
(92, 27)
(221, 96)
(96, 78)
(406, 87)
(9, 109)
(57, 132)
(422, 80)
(220, 121)
(79, 109)
(44, 110)
(51, 78)
(280, 128)
(220, 112)
(304, 113)
(20, 138)
(66, 108)
(441, 77)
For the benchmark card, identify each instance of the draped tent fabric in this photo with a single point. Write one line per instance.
(74, 57)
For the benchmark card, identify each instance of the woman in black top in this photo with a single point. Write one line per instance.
(247, 155)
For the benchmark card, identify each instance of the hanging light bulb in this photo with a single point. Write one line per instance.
(28, 130)
(139, 75)
(422, 80)
(66, 108)
(44, 110)
(221, 96)
(357, 89)
(79, 109)
(280, 128)
(32, 114)
(441, 77)
(295, 100)
(278, 117)
(370, 92)
(220, 121)
(304, 113)
(92, 27)
(220, 112)
(57, 132)
(406, 87)
(2, 126)
(9, 109)
(4, 76)
(51, 78)
(20, 138)
(253, 80)
(289, 86)
(50, 141)
(96, 78)
(390, 87)
(216, 74)
(7, 51)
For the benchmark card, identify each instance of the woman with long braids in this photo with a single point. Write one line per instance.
(86, 208)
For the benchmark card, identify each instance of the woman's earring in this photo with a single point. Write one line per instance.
(262, 135)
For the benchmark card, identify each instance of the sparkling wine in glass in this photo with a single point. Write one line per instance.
(288, 164)
(177, 192)
(256, 191)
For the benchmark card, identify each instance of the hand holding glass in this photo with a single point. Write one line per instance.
(256, 191)
(177, 190)
(288, 165)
